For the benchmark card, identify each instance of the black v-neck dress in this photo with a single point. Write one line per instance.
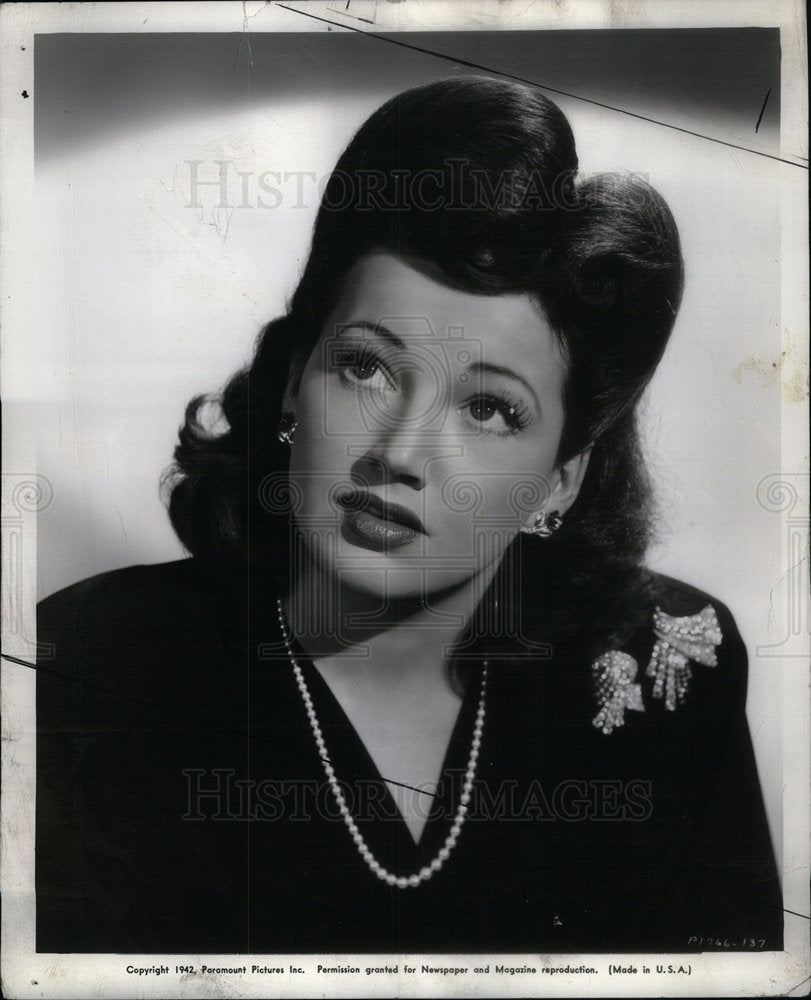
(182, 804)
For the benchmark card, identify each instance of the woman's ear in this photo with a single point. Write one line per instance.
(570, 477)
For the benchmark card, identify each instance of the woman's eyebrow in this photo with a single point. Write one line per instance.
(484, 366)
(377, 328)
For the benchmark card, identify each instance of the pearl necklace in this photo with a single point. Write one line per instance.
(401, 881)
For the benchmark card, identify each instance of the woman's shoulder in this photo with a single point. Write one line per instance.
(136, 589)
(142, 610)
(682, 598)
(143, 639)
(128, 580)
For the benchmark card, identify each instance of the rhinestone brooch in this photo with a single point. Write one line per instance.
(678, 640)
(614, 675)
(693, 637)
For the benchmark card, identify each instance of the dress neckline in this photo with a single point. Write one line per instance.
(375, 810)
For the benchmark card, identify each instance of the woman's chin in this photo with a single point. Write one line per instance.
(386, 584)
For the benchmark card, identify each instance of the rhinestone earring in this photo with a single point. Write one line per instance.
(544, 525)
(287, 428)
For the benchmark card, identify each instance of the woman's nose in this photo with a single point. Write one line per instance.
(399, 461)
(407, 445)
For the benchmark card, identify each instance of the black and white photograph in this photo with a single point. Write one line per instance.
(405, 499)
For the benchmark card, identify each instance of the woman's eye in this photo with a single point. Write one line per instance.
(499, 415)
(483, 408)
(365, 369)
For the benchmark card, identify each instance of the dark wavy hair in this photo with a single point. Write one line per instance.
(477, 177)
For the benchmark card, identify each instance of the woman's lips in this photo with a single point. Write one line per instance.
(381, 524)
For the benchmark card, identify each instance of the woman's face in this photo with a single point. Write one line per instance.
(429, 420)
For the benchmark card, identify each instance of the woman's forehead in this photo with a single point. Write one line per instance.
(410, 300)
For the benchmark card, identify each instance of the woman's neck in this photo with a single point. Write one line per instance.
(411, 635)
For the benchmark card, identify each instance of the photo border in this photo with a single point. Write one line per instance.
(26, 973)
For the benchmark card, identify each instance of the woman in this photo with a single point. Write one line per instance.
(415, 691)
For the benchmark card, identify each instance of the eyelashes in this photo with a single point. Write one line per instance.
(513, 414)
(362, 368)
